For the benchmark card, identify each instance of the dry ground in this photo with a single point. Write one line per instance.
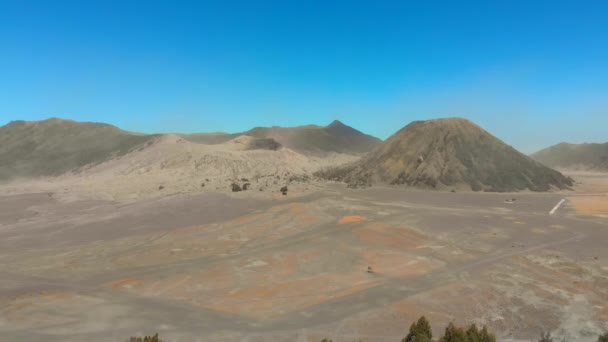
(591, 193)
(210, 267)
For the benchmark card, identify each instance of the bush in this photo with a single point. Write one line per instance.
(145, 339)
(235, 187)
(545, 337)
(603, 338)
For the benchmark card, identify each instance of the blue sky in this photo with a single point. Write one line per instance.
(534, 73)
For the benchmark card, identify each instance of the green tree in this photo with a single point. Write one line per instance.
(454, 334)
(476, 335)
(603, 338)
(419, 331)
(473, 333)
(485, 336)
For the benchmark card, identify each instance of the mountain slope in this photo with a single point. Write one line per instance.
(209, 138)
(335, 137)
(54, 146)
(169, 165)
(575, 156)
(450, 153)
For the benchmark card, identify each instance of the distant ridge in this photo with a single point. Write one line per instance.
(588, 157)
(54, 146)
(447, 154)
(335, 137)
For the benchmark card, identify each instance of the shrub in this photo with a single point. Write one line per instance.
(603, 338)
(545, 337)
(145, 339)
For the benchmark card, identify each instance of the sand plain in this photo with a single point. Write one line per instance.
(217, 267)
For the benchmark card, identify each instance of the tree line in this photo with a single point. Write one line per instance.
(420, 331)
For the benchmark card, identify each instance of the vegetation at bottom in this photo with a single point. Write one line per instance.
(420, 331)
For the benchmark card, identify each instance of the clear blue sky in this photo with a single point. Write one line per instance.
(534, 73)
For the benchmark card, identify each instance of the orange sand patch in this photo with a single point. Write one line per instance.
(591, 184)
(395, 264)
(591, 196)
(410, 309)
(303, 213)
(604, 313)
(126, 283)
(590, 204)
(296, 210)
(57, 294)
(390, 236)
(249, 218)
(54, 294)
(355, 289)
(261, 287)
(350, 219)
(274, 300)
(21, 307)
(182, 247)
(199, 241)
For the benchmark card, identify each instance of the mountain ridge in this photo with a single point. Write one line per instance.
(446, 154)
(335, 137)
(585, 156)
(54, 146)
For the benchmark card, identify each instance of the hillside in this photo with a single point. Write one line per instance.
(54, 146)
(335, 137)
(587, 157)
(169, 164)
(449, 153)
